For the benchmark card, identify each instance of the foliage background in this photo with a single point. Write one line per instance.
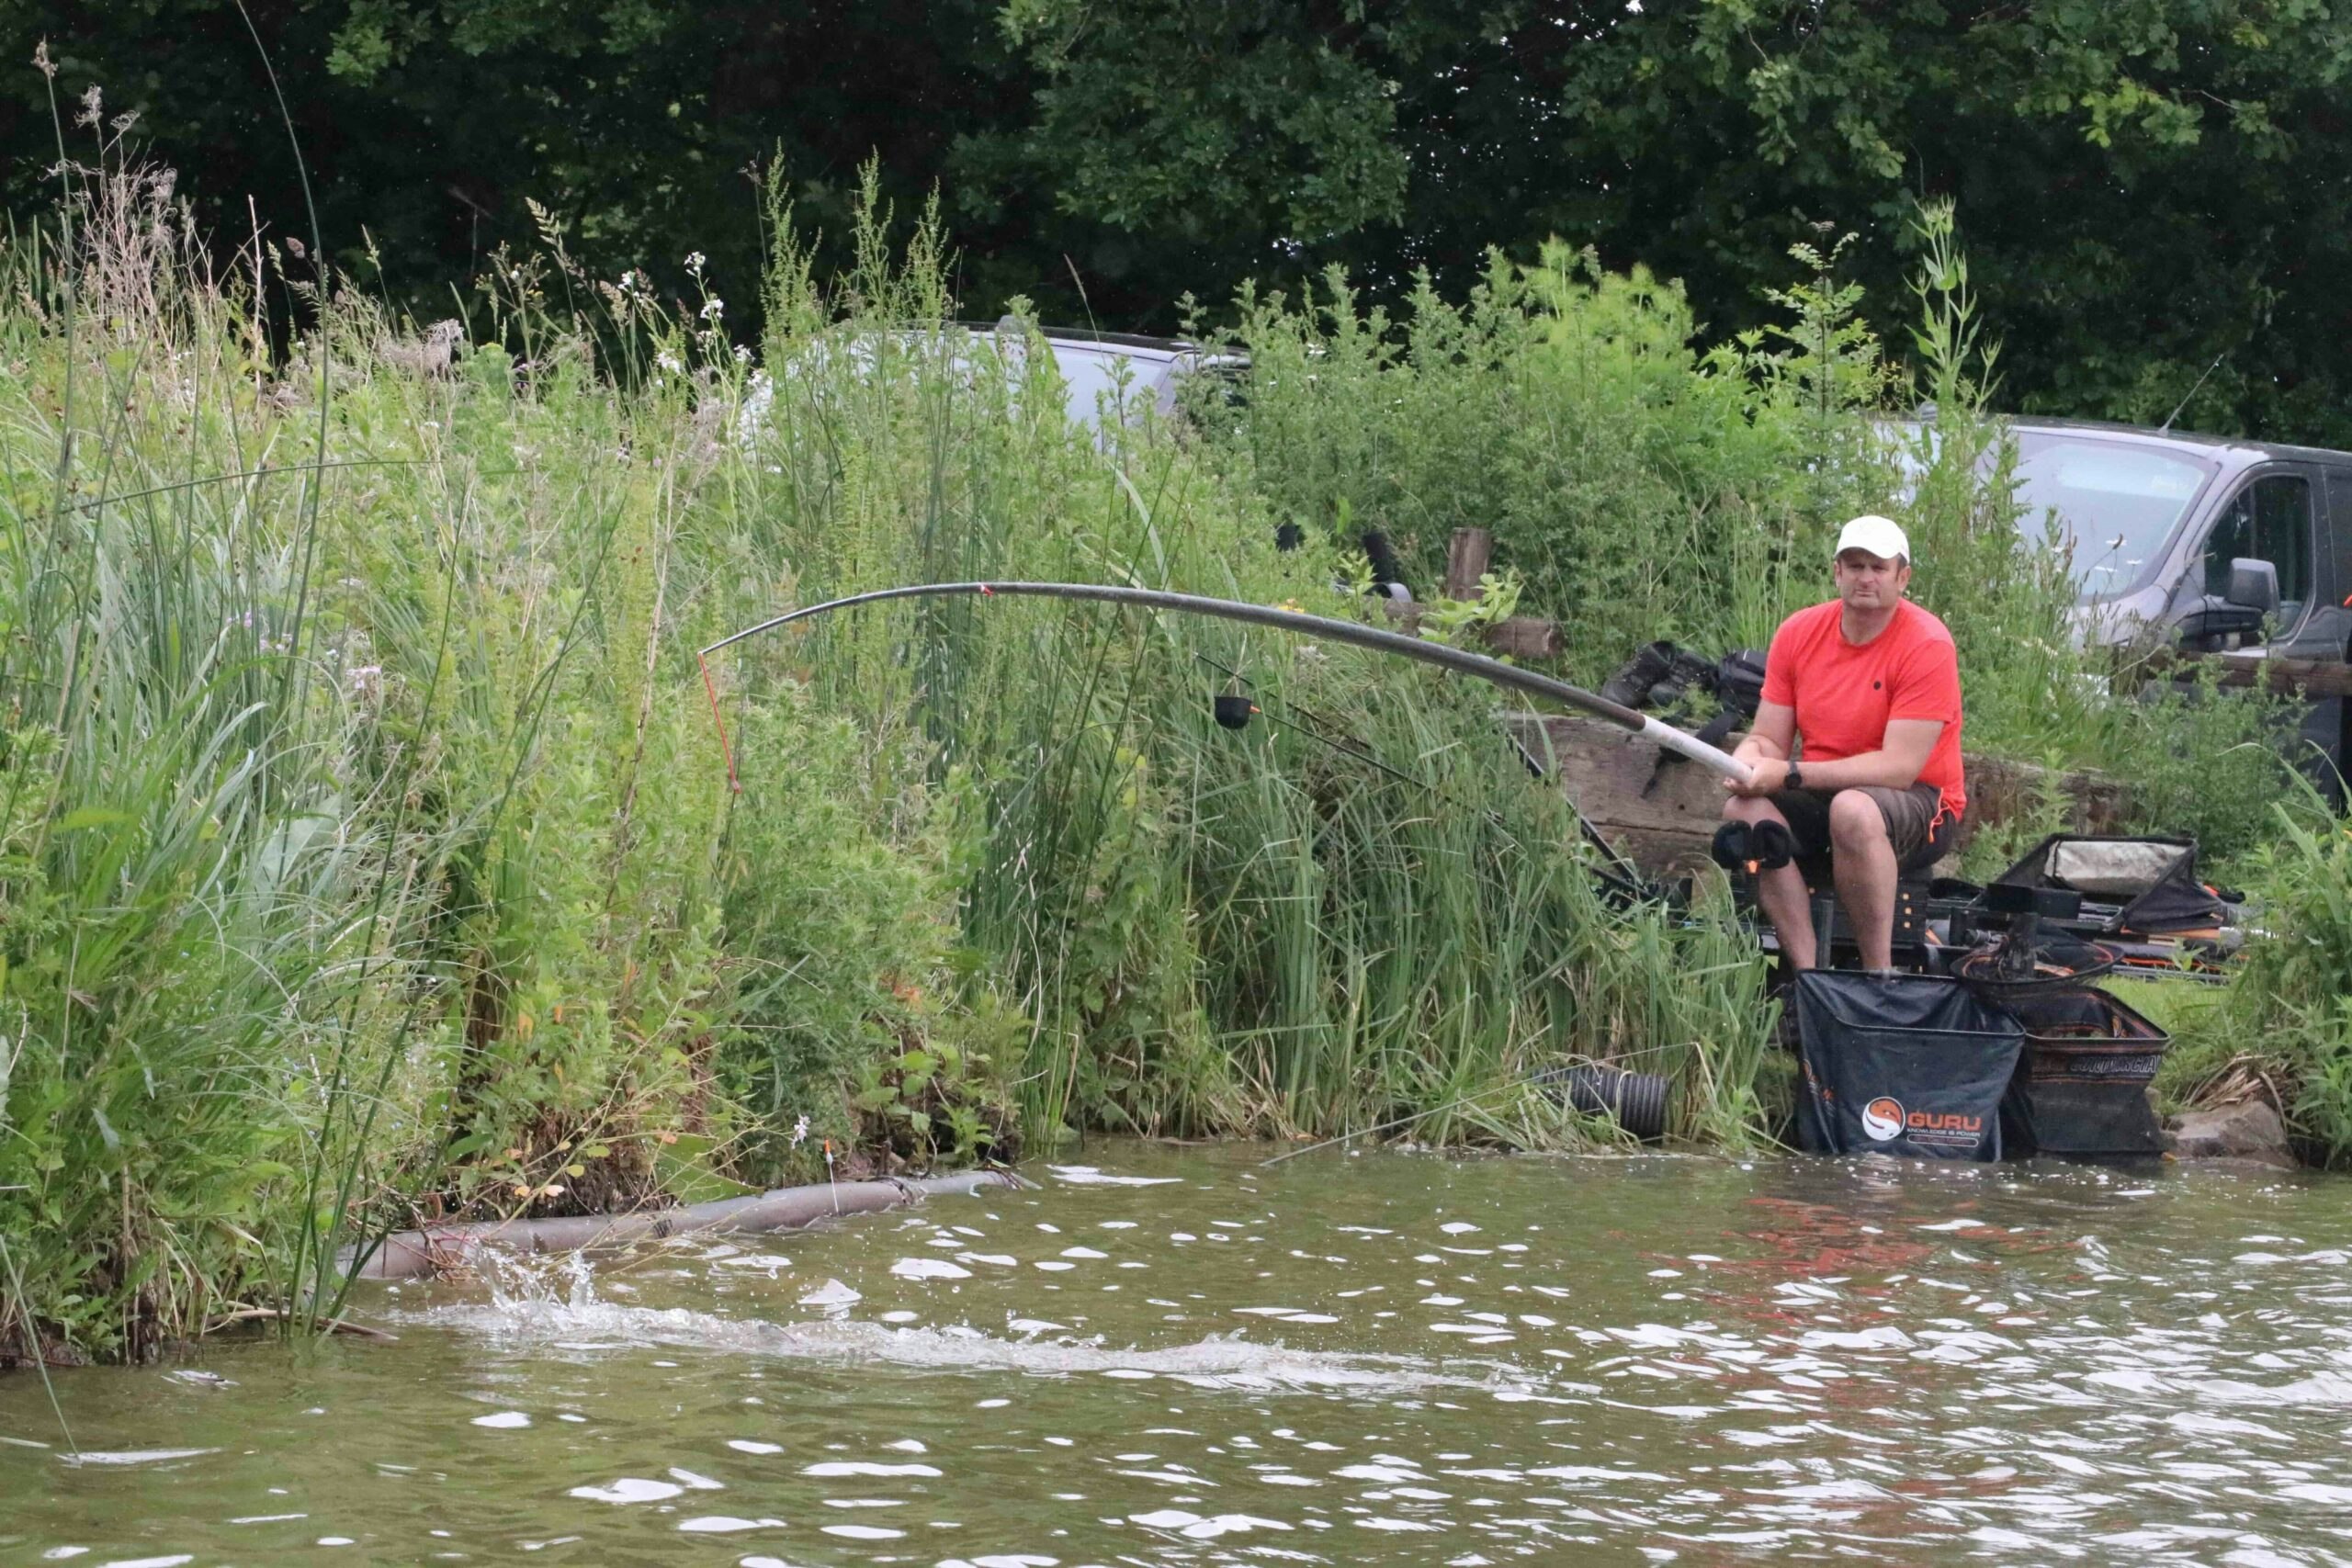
(2146, 179)
(351, 709)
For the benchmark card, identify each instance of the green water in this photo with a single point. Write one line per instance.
(1387, 1359)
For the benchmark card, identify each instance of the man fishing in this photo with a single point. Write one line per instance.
(1871, 683)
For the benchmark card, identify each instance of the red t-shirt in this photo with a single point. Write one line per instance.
(1844, 693)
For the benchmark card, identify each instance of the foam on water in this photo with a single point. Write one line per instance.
(581, 1323)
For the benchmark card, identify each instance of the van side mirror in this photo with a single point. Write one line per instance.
(2253, 585)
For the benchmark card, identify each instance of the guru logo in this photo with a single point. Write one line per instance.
(1883, 1119)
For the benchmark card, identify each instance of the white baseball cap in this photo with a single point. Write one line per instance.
(1880, 536)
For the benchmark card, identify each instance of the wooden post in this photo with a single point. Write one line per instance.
(1466, 559)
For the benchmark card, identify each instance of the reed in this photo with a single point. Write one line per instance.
(367, 849)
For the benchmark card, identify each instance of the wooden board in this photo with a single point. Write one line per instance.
(2310, 677)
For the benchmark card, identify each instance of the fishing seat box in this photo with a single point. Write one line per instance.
(1832, 932)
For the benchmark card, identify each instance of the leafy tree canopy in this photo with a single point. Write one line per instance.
(2146, 185)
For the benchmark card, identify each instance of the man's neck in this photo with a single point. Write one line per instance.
(1859, 627)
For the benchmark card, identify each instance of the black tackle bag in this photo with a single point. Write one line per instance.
(1910, 1064)
(2144, 886)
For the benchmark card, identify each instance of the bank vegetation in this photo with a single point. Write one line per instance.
(370, 851)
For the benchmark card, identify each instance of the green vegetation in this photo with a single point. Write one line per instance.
(2283, 1028)
(369, 849)
(1570, 409)
(2138, 173)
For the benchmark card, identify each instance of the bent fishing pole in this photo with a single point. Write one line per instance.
(1494, 671)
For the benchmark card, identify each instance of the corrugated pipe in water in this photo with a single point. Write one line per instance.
(1635, 1101)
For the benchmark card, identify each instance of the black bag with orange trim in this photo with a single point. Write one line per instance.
(1910, 1064)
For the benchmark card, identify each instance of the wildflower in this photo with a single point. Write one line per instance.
(665, 360)
(713, 309)
(742, 354)
(801, 1131)
(753, 418)
(694, 262)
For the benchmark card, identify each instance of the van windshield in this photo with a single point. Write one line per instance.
(2110, 504)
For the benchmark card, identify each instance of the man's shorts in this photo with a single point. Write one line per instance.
(1911, 826)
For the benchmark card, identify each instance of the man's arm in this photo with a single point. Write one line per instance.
(1894, 765)
(1770, 738)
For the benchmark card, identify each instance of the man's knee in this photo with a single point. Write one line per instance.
(1855, 821)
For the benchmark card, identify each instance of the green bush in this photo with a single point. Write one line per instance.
(368, 848)
(1642, 483)
(2285, 1020)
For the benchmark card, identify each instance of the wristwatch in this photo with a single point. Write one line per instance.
(1794, 779)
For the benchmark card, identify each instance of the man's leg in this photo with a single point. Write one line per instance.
(1862, 859)
(1780, 891)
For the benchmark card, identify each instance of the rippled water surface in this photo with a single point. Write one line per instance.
(1178, 1357)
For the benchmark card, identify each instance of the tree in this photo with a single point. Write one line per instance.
(2145, 184)
(426, 123)
(2140, 179)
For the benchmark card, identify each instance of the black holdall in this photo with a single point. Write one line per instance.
(1909, 1064)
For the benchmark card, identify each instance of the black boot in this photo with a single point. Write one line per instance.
(1630, 687)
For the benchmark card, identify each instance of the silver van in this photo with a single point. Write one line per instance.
(2230, 547)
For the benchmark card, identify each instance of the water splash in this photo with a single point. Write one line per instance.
(553, 1303)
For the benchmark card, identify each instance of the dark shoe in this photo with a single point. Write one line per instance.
(1630, 687)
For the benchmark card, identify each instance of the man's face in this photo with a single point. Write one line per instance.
(1866, 581)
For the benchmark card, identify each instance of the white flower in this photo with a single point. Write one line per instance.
(668, 361)
(713, 307)
(800, 1132)
(742, 354)
(752, 417)
(693, 261)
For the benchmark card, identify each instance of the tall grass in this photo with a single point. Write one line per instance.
(369, 851)
(2284, 1027)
